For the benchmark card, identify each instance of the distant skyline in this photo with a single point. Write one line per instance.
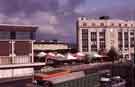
(57, 18)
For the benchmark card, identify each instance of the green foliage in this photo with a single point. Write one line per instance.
(113, 54)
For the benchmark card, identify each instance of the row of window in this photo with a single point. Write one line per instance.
(16, 35)
(126, 39)
(93, 40)
(85, 40)
(102, 40)
(20, 48)
(112, 24)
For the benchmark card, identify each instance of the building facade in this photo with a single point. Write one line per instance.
(94, 35)
(49, 46)
(16, 50)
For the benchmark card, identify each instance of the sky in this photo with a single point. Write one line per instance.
(56, 19)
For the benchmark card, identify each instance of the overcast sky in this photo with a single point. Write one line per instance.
(56, 18)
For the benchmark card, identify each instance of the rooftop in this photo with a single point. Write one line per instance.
(14, 27)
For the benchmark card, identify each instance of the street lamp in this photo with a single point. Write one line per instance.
(133, 63)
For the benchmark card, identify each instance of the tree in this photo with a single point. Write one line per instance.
(102, 52)
(113, 54)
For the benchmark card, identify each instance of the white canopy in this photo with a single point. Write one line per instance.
(51, 54)
(80, 54)
(94, 54)
(105, 79)
(70, 56)
(41, 54)
(60, 55)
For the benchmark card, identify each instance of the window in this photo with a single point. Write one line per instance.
(131, 38)
(5, 47)
(131, 33)
(131, 25)
(93, 41)
(84, 24)
(112, 24)
(23, 35)
(93, 36)
(126, 39)
(101, 24)
(102, 40)
(120, 39)
(85, 40)
(4, 35)
(12, 35)
(125, 25)
(119, 25)
(93, 24)
(22, 48)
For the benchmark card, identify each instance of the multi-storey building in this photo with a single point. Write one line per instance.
(16, 51)
(93, 35)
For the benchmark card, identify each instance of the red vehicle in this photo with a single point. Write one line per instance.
(56, 78)
(46, 78)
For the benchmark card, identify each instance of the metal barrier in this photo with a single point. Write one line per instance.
(15, 60)
(22, 59)
(5, 60)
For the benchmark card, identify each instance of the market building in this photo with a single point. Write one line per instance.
(16, 50)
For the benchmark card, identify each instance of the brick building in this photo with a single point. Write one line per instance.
(16, 50)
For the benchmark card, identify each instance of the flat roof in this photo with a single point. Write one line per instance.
(15, 27)
(46, 42)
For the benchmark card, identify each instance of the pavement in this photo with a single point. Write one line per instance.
(18, 82)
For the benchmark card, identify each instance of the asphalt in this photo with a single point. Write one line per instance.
(17, 82)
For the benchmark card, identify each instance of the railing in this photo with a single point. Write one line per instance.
(15, 60)
(22, 60)
(5, 60)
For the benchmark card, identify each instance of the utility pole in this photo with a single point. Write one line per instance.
(132, 67)
(133, 59)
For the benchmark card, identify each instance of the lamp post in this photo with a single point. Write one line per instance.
(133, 63)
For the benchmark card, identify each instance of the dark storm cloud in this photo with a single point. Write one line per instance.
(52, 16)
(57, 18)
(30, 6)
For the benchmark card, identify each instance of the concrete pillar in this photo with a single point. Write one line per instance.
(98, 40)
(129, 49)
(32, 53)
(89, 40)
(80, 39)
(123, 48)
(13, 51)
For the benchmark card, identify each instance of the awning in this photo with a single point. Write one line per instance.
(41, 54)
(70, 56)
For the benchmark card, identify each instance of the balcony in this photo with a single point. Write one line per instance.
(15, 60)
(18, 62)
(17, 53)
(5, 60)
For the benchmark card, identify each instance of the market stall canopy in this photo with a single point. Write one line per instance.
(60, 55)
(80, 54)
(41, 54)
(51, 55)
(94, 55)
(70, 56)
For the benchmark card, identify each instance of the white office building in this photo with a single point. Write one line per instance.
(97, 34)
